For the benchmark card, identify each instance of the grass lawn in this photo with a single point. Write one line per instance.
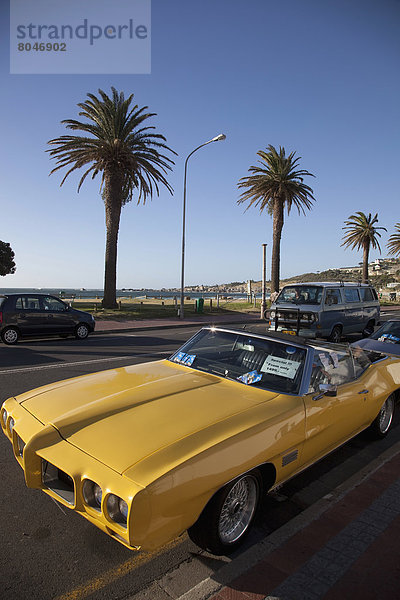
(151, 308)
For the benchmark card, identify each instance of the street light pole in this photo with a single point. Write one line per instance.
(264, 281)
(218, 138)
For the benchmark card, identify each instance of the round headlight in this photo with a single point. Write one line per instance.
(272, 314)
(4, 418)
(123, 507)
(92, 494)
(117, 509)
(98, 494)
(11, 424)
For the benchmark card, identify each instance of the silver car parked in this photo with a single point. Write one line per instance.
(325, 310)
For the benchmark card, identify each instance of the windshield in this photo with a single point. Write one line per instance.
(389, 332)
(267, 364)
(301, 294)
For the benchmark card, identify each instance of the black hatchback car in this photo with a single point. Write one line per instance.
(23, 315)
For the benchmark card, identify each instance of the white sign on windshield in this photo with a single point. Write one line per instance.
(280, 366)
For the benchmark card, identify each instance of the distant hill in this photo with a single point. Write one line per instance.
(381, 273)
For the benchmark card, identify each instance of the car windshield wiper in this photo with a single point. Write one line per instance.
(220, 372)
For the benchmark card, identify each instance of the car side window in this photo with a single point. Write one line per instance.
(351, 294)
(319, 373)
(366, 294)
(19, 304)
(333, 297)
(27, 303)
(50, 303)
(361, 360)
(334, 367)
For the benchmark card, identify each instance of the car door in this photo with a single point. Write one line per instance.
(332, 313)
(370, 305)
(30, 317)
(336, 416)
(59, 319)
(354, 317)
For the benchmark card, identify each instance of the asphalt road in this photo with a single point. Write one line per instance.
(48, 552)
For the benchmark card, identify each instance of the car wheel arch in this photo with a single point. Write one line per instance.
(369, 328)
(268, 475)
(267, 471)
(337, 327)
(208, 531)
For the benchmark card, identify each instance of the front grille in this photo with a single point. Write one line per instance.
(58, 481)
(293, 319)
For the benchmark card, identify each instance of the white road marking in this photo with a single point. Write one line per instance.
(79, 363)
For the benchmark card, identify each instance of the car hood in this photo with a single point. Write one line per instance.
(122, 416)
(294, 306)
(76, 311)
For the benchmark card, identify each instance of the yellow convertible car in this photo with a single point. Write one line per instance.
(149, 451)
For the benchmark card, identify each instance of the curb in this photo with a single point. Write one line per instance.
(176, 326)
(243, 563)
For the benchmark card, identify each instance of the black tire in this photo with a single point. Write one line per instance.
(383, 422)
(369, 329)
(81, 331)
(336, 334)
(10, 335)
(226, 520)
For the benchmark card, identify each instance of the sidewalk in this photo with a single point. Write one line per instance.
(342, 548)
(115, 325)
(111, 326)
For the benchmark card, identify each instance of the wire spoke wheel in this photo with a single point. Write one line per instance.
(383, 422)
(386, 415)
(238, 509)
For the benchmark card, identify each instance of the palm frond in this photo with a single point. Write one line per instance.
(117, 142)
(361, 231)
(276, 177)
(393, 244)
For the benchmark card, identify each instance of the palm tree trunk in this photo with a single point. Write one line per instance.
(113, 205)
(276, 243)
(365, 263)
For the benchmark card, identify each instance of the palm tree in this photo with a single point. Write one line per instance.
(273, 186)
(118, 144)
(394, 241)
(362, 233)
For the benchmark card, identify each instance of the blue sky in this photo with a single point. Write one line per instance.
(317, 77)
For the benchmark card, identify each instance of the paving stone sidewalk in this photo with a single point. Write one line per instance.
(351, 551)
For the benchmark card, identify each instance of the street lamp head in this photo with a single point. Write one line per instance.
(219, 138)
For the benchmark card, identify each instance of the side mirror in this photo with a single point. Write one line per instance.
(326, 389)
(329, 389)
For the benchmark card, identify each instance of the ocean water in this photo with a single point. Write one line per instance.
(93, 293)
